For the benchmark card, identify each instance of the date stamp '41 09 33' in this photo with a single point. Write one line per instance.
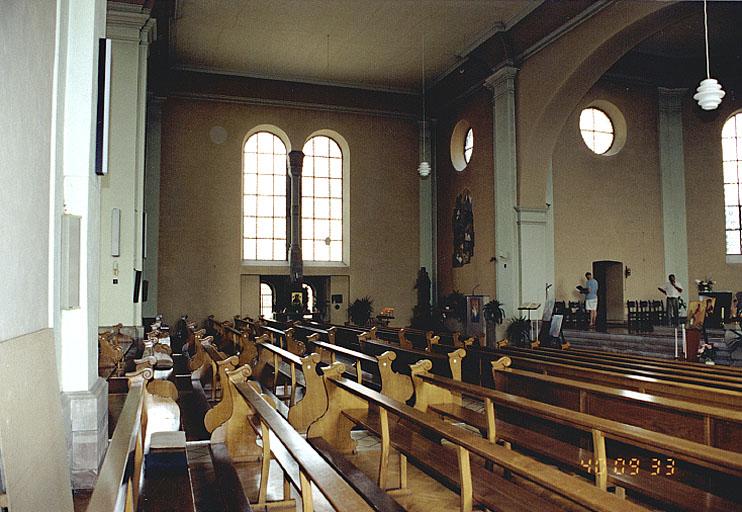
(631, 466)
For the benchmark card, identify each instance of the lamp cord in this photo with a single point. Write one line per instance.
(706, 35)
(422, 81)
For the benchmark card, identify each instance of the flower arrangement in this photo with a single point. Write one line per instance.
(704, 285)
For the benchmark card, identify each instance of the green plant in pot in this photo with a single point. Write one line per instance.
(518, 332)
(360, 311)
(494, 316)
(493, 312)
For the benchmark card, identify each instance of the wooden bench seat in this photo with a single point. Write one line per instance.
(519, 421)
(301, 464)
(653, 385)
(720, 427)
(374, 495)
(628, 365)
(349, 404)
(230, 492)
(677, 494)
(166, 484)
(489, 489)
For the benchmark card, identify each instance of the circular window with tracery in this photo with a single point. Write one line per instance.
(597, 130)
(468, 145)
(462, 144)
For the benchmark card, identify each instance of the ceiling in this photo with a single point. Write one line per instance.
(372, 43)
(675, 56)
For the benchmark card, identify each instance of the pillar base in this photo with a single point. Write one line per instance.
(86, 425)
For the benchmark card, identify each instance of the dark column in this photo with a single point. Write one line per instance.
(296, 263)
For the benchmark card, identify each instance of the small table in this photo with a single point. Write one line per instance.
(531, 306)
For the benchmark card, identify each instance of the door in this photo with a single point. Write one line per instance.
(609, 275)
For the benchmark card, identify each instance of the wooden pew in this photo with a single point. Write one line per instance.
(302, 466)
(701, 368)
(628, 364)
(561, 435)
(654, 385)
(714, 426)
(372, 344)
(227, 481)
(110, 354)
(351, 404)
(118, 485)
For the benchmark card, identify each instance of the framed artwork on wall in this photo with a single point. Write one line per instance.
(463, 229)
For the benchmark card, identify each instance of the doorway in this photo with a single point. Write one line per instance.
(609, 275)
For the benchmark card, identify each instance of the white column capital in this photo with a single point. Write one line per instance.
(128, 22)
(671, 100)
(502, 80)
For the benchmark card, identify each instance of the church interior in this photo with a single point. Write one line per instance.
(383, 255)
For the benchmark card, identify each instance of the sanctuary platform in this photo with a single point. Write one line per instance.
(659, 343)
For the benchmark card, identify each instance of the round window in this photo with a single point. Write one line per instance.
(468, 145)
(462, 145)
(597, 130)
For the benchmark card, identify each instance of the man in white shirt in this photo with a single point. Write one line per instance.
(672, 290)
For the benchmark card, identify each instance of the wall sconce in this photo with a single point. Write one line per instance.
(627, 272)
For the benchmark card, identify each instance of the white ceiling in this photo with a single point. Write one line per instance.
(372, 43)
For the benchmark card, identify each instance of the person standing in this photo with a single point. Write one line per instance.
(672, 291)
(591, 298)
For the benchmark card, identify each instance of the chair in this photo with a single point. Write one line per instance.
(659, 315)
(571, 314)
(583, 317)
(645, 318)
(633, 315)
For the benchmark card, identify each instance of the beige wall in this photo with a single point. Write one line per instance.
(478, 177)
(27, 32)
(200, 216)
(705, 192)
(610, 207)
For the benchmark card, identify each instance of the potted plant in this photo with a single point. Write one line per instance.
(494, 316)
(360, 311)
(518, 332)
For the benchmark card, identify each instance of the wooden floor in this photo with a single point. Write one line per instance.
(426, 495)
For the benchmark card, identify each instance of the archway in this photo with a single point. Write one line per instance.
(573, 64)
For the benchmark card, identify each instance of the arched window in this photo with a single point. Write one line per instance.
(310, 296)
(322, 200)
(264, 198)
(731, 148)
(266, 300)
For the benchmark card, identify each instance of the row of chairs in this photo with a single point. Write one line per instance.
(574, 313)
(643, 315)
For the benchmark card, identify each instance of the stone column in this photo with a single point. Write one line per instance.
(84, 394)
(131, 30)
(427, 205)
(502, 85)
(296, 262)
(533, 236)
(672, 171)
(152, 203)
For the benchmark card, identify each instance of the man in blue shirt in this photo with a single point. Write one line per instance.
(591, 298)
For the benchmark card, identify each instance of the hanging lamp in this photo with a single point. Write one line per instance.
(709, 92)
(424, 168)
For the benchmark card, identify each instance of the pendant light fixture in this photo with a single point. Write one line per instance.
(709, 92)
(424, 168)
